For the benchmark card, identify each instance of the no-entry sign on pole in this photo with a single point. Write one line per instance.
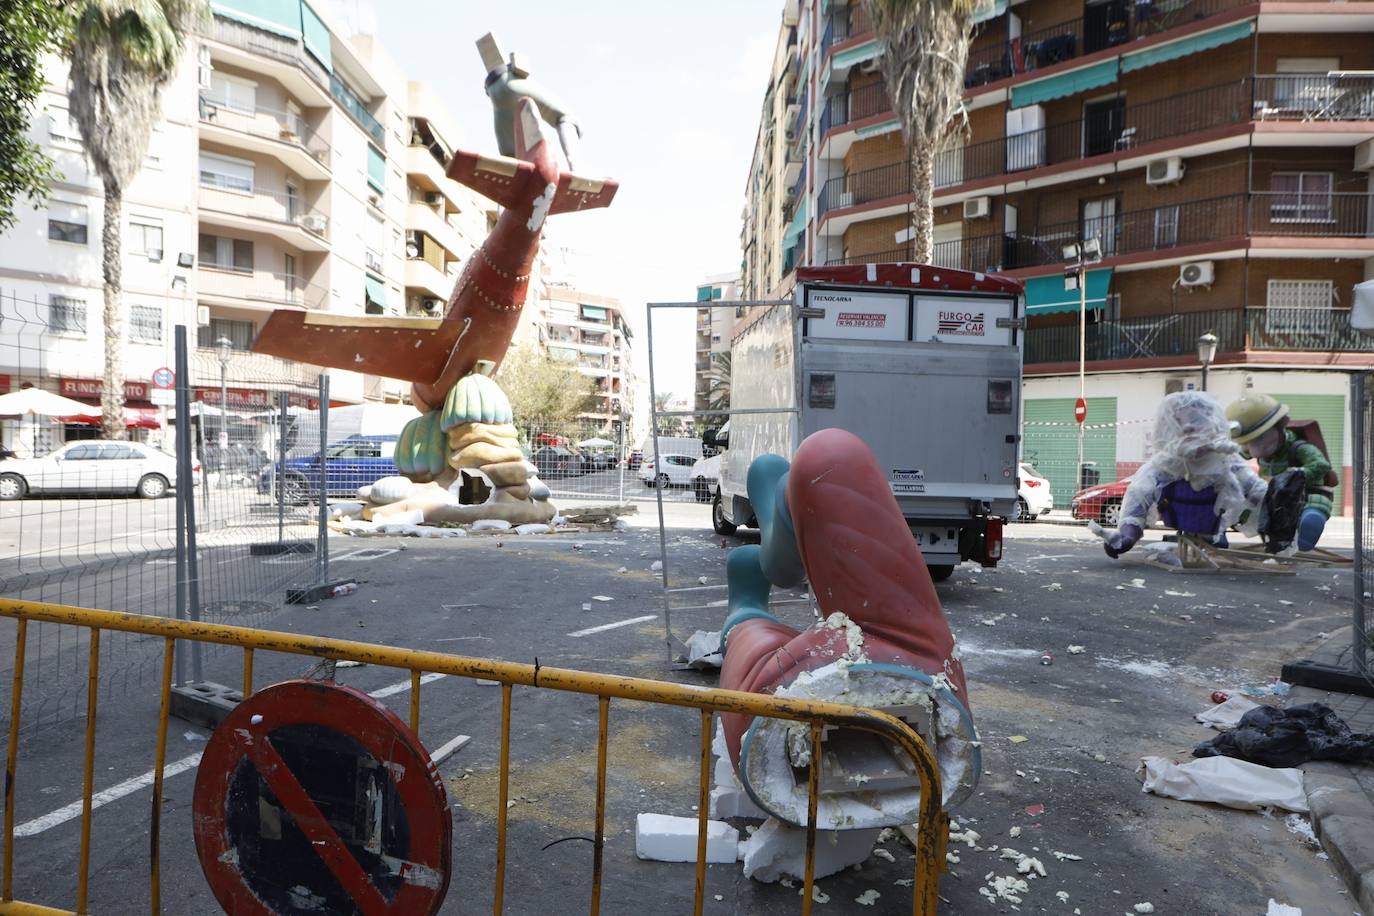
(1080, 410)
(312, 797)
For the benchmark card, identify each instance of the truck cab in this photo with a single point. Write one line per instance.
(922, 363)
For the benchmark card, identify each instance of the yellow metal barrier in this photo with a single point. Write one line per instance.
(932, 828)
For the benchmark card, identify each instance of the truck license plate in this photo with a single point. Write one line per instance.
(942, 539)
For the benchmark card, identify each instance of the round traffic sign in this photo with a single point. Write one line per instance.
(164, 378)
(1080, 410)
(315, 797)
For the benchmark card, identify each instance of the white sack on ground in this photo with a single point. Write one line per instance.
(1225, 781)
(703, 649)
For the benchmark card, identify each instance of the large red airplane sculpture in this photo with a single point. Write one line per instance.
(484, 309)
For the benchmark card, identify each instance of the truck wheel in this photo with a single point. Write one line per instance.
(941, 573)
(718, 520)
(1111, 514)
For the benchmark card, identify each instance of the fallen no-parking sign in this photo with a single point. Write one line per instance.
(315, 797)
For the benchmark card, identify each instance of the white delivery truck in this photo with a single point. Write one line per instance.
(922, 363)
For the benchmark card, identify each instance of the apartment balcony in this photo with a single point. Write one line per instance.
(283, 59)
(1277, 223)
(1076, 38)
(429, 219)
(855, 106)
(223, 284)
(883, 184)
(1277, 110)
(427, 280)
(256, 371)
(1238, 331)
(283, 135)
(282, 216)
(355, 109)
(429, 174)
(844, 24)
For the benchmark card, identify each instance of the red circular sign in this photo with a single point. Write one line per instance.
(1080, 410)
(311, 796)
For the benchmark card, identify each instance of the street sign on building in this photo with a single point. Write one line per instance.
(1080, 410)
(314, 797)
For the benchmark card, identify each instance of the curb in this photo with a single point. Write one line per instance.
(1342, 816)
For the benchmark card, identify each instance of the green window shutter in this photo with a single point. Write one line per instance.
(1053, 449)
(316, 37)
(1193, 44)
(376, 168)
(1046, 295)
(1329, 411)
(1064, 84)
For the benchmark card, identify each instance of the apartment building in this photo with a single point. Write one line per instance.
(714, 328)
(293, 167)
(591, 333)
(1218, 151)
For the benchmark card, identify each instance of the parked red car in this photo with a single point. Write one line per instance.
(1101, 503)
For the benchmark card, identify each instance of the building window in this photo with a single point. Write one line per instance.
(1166, 226)
(67, 316)
(145, 324)
(1297, 305)
(226, 173)
(239, 334)
(233, 93)
(1300, 197)
(144, 238)
(62, 130)
(67, 222)
(220, 253)
(1099, 221)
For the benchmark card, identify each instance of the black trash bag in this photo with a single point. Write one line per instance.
(1275, 737)
(1282, 509)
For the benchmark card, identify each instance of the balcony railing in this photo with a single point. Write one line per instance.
(1314, 97)
(269, 123)
(1159, 336)
(267, 44)
(228, 197)
(354, 106)
(1077, 38)
(855, 105)
(865, 186)
(259, 286)
(1264, 213)
(845, 23)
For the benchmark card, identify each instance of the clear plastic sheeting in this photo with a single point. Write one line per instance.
(1192, 442)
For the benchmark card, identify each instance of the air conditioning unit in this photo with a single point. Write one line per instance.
(1164, 171)
(433, 198)
(314, 222)
(1198, 273)
(871, 66)
(375, 199)
(431, 305)
(977, 207)
(1364, 156)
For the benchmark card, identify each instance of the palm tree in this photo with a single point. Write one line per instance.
(122, 53)
(926, 45)
(718, 384)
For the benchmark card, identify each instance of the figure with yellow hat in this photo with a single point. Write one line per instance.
(1261, 427)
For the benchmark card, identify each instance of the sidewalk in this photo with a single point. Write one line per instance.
(1341, 795)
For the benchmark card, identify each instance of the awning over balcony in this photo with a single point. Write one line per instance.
(376, 293)
(1063, 84)
(1173, 50)
(280, 16)
(984, 10)
(850, 57)
(796, 227)
(316, 37)
(1045, 295)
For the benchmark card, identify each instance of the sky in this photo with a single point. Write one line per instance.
(668, 96)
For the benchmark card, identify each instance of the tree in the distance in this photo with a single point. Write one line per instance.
(925, 49)
(544, 392)
(122, 54)
(28, 30)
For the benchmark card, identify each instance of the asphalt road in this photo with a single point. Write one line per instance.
(1151, 660)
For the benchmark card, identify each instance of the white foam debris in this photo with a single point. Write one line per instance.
(1136, 583)
(1285, 602)
(941, 681)
(665, 838)
(1003, 887)
(1053, 587)
(965, 835)
(904, 882)
(1062, 895)
(1145, 907)
(656, 566)
(1025, 865)
(1014, 832)
(884, 854)
(1171, 592)
(1281, 909)
(1077, 650)
(1301, 827)
(817, 894)
(867, 898)
(1065, 856)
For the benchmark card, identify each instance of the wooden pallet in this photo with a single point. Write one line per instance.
(1198, 557)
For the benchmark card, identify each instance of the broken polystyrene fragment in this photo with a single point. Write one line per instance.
(1281, 909)
(1145, 907)
(665, 838)
(1077, 650)
(867, 898)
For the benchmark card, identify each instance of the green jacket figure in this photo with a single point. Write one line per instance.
(1259, 423)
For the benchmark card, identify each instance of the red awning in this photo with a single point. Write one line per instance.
(134, 418)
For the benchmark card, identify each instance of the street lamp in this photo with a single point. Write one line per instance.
(1206, 352)
(1079, 255)
(225, 346)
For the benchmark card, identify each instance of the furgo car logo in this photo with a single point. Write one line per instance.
(961, 324)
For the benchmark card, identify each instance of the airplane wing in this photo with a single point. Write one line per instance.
(413, 349)
(578, 193)
(498, 177)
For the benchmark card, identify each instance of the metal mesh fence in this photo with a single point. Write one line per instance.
(94, 522)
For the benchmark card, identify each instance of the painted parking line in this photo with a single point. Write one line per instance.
(130, 786)
(612, 626)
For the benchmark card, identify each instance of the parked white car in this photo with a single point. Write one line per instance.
(675, 470)
(91, 466)
(1034, 498)
(706, 477)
